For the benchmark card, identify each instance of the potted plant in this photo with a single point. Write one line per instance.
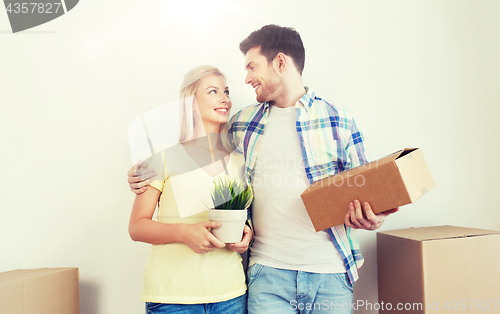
(231, 199)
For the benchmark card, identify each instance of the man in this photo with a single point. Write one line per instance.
(291, 139)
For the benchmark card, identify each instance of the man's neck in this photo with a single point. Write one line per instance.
(290, 95)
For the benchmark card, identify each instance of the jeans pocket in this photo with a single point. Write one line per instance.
(253, 273)
(151, 306)
(344, 280)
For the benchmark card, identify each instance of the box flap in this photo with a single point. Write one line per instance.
(415, 173)
(374, 164)
(399, 153)
(438, 233)
(403, 152)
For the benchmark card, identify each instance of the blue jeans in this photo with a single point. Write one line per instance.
(282, 291)
(237, 305)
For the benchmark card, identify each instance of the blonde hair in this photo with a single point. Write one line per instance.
(188, 89)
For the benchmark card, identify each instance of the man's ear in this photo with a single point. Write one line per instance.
(280, 61)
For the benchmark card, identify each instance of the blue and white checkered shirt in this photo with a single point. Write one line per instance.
(330, 142)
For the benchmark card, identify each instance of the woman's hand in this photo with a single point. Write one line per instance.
(199, 238)
(242, 246)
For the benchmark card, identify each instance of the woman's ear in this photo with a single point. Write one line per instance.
(197, 119)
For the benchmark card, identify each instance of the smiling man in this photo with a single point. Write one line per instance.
(291, 139)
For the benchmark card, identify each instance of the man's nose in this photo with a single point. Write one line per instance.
(248, 79)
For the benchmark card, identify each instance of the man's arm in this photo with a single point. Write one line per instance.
(139, 178)
(361, 217)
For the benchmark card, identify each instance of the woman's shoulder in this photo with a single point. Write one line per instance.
(169, 162)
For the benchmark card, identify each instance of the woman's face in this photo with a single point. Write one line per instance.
(213, 100)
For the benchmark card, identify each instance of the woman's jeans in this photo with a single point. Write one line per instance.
(237, 305)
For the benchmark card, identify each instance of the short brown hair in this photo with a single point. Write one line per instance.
(273, 39)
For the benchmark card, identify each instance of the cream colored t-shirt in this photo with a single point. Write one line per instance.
(284, 234)
(176, 274)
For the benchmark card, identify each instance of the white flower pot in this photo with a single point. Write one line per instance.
(233, 223)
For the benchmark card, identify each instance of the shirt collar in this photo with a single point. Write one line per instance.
(307, 100)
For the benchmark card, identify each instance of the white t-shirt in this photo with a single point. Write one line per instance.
(284, 234)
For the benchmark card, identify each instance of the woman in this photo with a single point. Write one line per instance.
(189, 270)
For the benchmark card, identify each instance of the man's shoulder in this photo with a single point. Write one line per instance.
(335, 109)
(248, 113)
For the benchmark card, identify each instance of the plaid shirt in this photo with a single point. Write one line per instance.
(330, 142)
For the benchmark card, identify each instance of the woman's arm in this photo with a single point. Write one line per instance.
(144, 229)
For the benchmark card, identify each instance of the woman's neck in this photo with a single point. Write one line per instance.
(211, 128)
(210, 139)
(210, 144)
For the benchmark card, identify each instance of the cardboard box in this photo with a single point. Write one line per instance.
(395, 180)
(40, 291)
(445, 269)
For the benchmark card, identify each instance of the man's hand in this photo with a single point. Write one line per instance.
(242, 246)
(369, 221)
(200, 239)
(138, 178)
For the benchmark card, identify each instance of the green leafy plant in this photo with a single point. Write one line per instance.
(231, 194)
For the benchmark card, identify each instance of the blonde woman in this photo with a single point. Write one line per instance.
(189, 270)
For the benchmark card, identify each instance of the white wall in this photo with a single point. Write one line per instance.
(416, 74)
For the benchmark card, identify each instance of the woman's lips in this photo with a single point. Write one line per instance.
(221, 110)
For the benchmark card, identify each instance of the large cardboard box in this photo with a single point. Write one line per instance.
(395, 180)
(40, 291)
(444, 269)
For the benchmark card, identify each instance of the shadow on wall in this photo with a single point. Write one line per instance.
(365, 289)
(89, 297)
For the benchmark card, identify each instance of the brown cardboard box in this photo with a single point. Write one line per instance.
(395, 180)
(40, 291)
(445, 269)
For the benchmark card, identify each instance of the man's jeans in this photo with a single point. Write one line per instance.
(281, 291)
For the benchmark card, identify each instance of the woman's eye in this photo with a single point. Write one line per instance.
(213, 91)
(226, 92)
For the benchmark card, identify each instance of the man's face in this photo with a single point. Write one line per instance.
(261, 75)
